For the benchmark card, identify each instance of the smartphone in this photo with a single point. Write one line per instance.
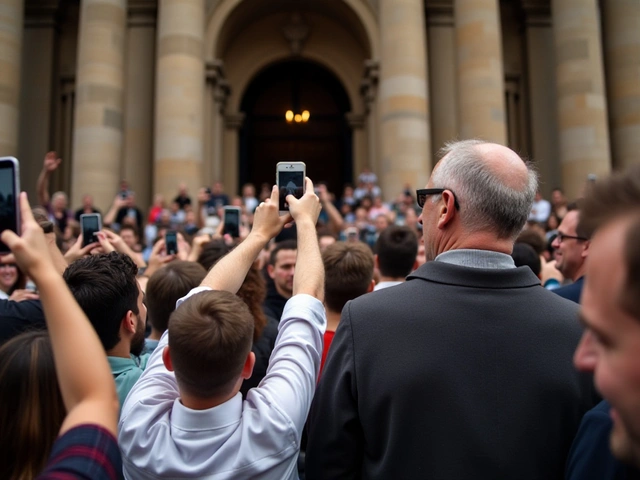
(290, 181)
(231, 221)
(90, 224)
(9, 197)
(171, 242)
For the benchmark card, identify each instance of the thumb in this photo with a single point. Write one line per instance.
(10, 239)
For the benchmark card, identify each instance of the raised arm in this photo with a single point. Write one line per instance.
(309, 276)
(231, 270)
(50, 164)
(336, 222)
(87, 387)
(110, 217)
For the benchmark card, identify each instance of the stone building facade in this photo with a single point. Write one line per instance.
(166, 91)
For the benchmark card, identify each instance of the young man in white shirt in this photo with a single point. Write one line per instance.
(185, 417)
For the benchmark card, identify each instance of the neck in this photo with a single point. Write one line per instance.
(384, 278)
(196, 403)
(579, 274)
(122, 350)
(283, 293)
(477, 241)
(333, 319)
(155, 334)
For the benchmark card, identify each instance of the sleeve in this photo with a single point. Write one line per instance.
(293, 368)
(335, 444)
(590, 457)
(85, 452)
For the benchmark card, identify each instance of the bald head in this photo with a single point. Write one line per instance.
(493, 185)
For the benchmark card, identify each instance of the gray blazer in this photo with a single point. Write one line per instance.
(459, 373)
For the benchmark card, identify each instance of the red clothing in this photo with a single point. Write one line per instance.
(328, 337)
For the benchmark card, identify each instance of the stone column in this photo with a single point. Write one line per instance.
(369, 91)
(11, 23)
(481, 111)
(542, 91)
(217, 92)
(98, 117)
(180, 77)
(403, 100)
(582, 106)
(137, 166)
(622, 58)
(357, 122)
(233, 124)
(441, 37)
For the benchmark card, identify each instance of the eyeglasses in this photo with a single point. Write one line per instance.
(8, 265)
(423, 193)
(562, 237)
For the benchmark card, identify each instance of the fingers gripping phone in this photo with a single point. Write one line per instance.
(90, 223)
(231, 221)
(9, 197)
(290, 181)
(171, 243)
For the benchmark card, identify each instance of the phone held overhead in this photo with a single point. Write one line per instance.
(290, 180)
(9, 195)
(90, 224)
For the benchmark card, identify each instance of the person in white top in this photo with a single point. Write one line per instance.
(185, 418)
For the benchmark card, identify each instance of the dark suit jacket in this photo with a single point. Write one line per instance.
(459, 373)
(572, 291)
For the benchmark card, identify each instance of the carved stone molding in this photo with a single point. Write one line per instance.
(356, 120)
(296, 32)
(142, 13)
(537, 13)
(234, 121)
(41, 13)
(439, 13)
(216, 79)
(369, 83)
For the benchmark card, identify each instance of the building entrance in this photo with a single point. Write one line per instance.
(295, 111)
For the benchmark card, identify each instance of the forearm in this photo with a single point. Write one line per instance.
(309, 277)
(42, 187)
(110, 217)
(336, 221)
(73, 338)
(231, 270)
(59, 262)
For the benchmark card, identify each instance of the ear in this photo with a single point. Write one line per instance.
(376, 262)
(585, 248)
(447, 210)
(270, 270)
(129, 322)
(247, 370)
(415, 264)
(166, 359)
(371, 286)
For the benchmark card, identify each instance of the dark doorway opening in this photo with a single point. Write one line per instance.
(323, 142)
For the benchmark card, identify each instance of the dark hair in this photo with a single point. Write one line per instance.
(212, 252)
(106, 288)
(210, 336)
(534, 239)
(348, 272)
(396, 248)
(132, 228)
(284, 245)
(630, 299)
(524, 255)
(166, 286)
(31, 406)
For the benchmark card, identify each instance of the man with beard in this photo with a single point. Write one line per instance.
(106, 288)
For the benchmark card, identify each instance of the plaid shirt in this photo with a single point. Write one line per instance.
(85, 452)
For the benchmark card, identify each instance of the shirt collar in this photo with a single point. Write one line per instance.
(477, 259)
(120, 364)
(220, 416)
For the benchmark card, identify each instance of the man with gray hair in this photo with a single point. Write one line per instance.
(463, 371)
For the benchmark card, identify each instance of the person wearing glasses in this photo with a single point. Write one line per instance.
(464, 371)
(571, 248)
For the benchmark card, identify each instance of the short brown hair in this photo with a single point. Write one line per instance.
(210, 336)
(630, 296)
(166, 286)
(348, 272)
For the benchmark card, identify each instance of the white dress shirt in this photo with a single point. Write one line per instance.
(255, 438)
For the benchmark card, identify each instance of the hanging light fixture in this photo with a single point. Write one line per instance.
(302, 117)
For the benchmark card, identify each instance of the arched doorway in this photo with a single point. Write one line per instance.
(324, 142)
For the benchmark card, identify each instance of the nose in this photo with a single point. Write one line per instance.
(585, 358)
(556, 243)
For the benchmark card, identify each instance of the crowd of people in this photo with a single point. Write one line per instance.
(468, 329)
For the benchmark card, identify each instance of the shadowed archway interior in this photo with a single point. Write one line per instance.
(323, 142)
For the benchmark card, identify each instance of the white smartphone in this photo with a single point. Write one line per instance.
(290, 181)
(231, 221)
(9, 197)
(90, 224)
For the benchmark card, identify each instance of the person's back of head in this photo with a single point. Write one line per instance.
(210, 337)
(493, 186)
(533, 239)
(348, 273)
(212, 252)
(31, 406)
(524, 255)
(167, 286)
(396, 250)
(106, 288)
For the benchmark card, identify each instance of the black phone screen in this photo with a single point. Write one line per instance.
(171, 243)
(290, 183)
(90, 226)
(232, 222)
(8, 200)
